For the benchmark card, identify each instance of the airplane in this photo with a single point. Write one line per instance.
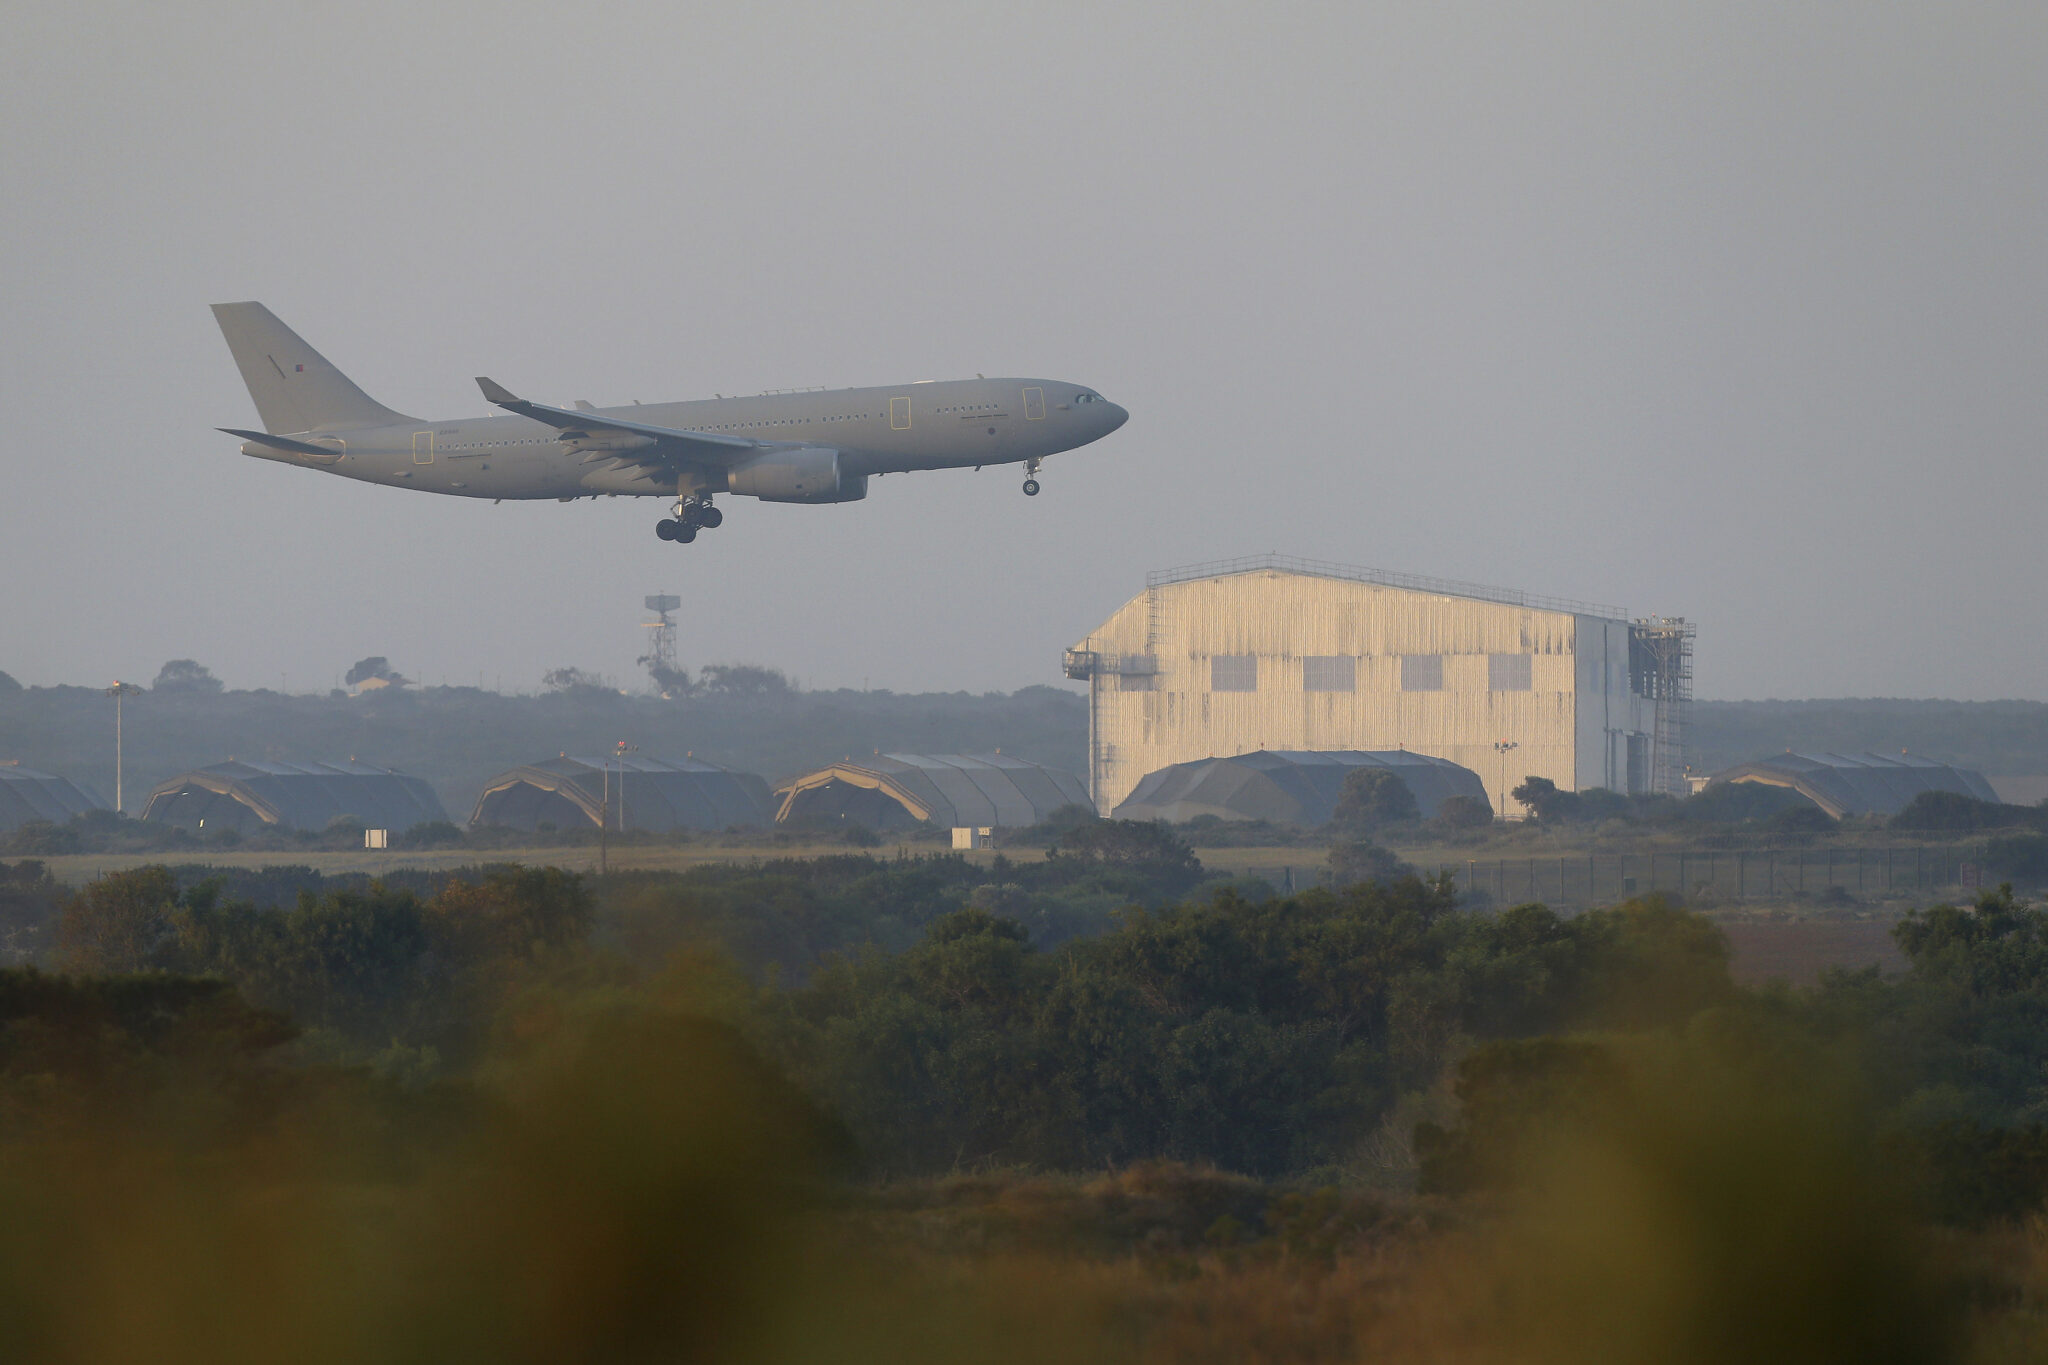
(809, 445)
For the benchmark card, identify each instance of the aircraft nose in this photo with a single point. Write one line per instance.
(1117, 415)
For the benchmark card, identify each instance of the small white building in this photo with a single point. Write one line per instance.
(1281, 653)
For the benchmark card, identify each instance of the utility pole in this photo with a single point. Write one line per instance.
(1503, 747)
(118, 691)
(604, 810)
(620, 750)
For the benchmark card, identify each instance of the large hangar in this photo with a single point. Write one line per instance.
(26, 795)
(627, 792)
(311, 796)
(1288, 788)
(902, 791)
(1859, 784)
(1279, 653)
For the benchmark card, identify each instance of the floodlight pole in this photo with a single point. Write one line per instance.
(1502, 747)
(619, 751)
(604, 820)
(118, 691)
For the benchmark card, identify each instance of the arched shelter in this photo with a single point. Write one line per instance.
(638, 793)
(310, 796)
(900, 791)
(1858, 784)
(26, 795)
(1288, 787)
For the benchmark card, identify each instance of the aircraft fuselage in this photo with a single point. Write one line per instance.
(945, 424)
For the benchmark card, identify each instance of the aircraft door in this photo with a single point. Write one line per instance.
(899, 414)
(1034, 405)
(423, 447)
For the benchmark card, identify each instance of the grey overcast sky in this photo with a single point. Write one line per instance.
(1730, 311)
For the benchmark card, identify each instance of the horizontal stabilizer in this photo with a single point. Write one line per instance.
(284, 443)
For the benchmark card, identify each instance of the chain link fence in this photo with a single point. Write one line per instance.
(1593, 879)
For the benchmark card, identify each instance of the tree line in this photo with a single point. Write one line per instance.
(1097, 1009)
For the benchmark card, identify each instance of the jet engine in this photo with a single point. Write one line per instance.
(808, 474)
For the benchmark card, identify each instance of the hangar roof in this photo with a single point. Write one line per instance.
(1291, 787)
(295, 795)
(1386, 578)
(645, 793)
(949, 789)
(26, 795)
(1859, 784)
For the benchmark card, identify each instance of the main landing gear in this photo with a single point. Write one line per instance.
(691, 516)
(1031, 478)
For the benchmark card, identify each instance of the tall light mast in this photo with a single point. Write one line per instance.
(118, 691)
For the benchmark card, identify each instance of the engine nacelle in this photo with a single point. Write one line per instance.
(810, 474)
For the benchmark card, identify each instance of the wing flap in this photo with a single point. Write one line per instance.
(671, 443)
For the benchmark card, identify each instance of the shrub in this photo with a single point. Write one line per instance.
(431, 834)
(1463, 812)
(1953, 812)
(1372, 799)
(1970, 1175)
(1361, 860)
(1546, 801)
(1147, 844)
(1804, 819)
(2022, 854)
(44, 839)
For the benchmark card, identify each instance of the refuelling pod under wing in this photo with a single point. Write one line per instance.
(806, 474)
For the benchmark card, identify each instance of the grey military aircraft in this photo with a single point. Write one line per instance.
(809, 445)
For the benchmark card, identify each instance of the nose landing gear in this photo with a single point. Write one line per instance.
(692, 514)
(1031, 478)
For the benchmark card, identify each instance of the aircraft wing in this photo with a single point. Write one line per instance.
(671, 443)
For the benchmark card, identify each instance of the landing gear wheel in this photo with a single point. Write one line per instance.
(685, 533)
(1030, 488)
(709, 517)
(665, 529)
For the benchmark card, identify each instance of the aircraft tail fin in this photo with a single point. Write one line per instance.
(295, 387)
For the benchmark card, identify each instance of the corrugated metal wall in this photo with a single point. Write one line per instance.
(1154, 698)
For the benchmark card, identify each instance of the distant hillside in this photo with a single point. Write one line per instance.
(1994, 737)
(458, 738)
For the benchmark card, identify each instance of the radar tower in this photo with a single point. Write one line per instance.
(660, 658)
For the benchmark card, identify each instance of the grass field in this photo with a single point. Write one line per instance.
(1796, 950)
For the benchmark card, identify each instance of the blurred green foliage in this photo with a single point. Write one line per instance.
(808, 1110)
(30, 899)
(1261, 1036)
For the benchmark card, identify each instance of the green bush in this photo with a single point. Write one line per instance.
(2022, 855)
(1955, 813)
(1463, 812)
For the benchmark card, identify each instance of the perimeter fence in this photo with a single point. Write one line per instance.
(1591, 879)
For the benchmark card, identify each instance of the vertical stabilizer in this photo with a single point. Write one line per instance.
(294, 386)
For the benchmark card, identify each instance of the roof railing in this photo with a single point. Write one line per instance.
(1386, 578)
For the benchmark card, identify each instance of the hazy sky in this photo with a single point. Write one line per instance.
(1732, 312)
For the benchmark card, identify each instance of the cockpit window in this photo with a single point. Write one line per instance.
(1087, 398)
